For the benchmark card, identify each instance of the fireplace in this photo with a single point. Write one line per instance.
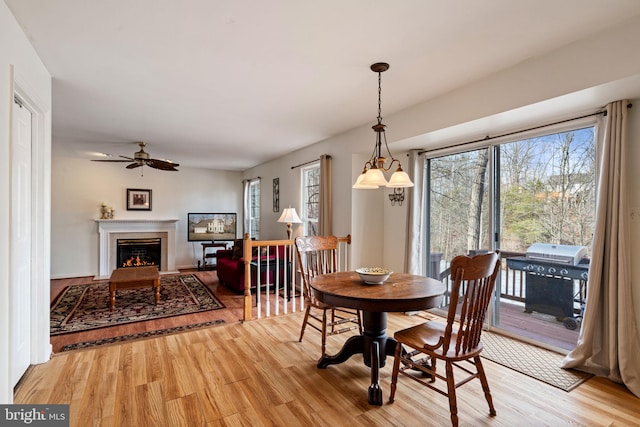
(139, 252)
(112, 230)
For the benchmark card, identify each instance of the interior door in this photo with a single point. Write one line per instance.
(20, 274)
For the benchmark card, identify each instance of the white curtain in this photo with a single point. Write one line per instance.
(246, 207)
(324, 216)
(609, 343)
(414, 198)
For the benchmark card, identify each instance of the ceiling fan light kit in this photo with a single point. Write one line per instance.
(141, 158)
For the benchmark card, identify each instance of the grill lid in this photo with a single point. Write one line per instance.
(562, 254)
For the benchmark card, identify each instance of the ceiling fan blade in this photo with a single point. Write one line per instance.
(161, 164)
(134, 165)
(110, 160)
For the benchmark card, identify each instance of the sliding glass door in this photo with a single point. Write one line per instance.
(537, 192)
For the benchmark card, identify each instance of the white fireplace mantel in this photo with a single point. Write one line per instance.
(111, 229)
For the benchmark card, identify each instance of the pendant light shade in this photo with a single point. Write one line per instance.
(360, 186)
(400, 179)
(375, 177)
(373, 173)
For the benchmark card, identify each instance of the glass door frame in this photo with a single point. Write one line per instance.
(493, 189)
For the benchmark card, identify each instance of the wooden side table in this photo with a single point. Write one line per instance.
(134, 277)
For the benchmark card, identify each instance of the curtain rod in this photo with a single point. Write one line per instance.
(304, 164)
(489, 138)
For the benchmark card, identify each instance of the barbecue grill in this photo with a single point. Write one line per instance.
(552, 270)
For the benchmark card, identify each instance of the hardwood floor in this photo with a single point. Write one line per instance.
(513, 319)
(230, 314)
(257, 373)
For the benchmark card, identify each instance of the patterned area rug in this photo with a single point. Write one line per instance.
(84, 307)
(148, 334)
(536, 362)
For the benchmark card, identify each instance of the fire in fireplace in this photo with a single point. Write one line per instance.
(138, 252)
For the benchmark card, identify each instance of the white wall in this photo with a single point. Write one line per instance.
(79, 186)
(20, 66)
(76, 201)
(577, 78)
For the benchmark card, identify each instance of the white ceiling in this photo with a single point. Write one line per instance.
(232, 84)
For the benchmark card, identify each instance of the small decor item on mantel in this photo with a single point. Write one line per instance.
(106, 212)
(138, 199)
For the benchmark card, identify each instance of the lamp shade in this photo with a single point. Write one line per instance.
(400, 179)
(360, 185)
(290, 216)
(374, 176)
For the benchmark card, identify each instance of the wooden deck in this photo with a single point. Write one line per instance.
(538, 327)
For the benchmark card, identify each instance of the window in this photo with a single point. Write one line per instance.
(254, 209)
(311, 199)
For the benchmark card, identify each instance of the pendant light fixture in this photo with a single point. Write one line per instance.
(372, 175)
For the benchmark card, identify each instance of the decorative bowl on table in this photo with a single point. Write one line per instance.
(374, 275)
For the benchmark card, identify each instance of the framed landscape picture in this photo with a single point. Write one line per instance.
(138, 199)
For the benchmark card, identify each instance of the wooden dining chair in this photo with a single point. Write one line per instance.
(453, 342)
(318, 255)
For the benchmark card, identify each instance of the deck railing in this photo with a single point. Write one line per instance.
(512, 283)
(272, 281)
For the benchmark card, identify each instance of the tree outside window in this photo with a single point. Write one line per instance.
(311, 199)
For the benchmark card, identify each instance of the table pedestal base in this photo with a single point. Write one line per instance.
(373, 344)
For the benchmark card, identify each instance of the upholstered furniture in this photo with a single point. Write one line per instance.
(230, 266)
(456, 343)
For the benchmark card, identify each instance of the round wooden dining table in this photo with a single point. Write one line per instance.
(401, 292)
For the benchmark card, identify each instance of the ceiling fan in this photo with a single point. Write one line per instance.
(141, 158)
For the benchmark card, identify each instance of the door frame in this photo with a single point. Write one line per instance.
(493, 145)
(41, 225)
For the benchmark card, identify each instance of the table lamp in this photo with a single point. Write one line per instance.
(289, 216)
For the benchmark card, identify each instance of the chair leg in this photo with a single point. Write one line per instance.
(396, 370)
(359, 314)
(451, 392)
(304, 322)
(333, 321)
(485, 384)
(324, 332)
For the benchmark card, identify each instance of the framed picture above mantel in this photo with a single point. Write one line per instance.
(138, 199)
